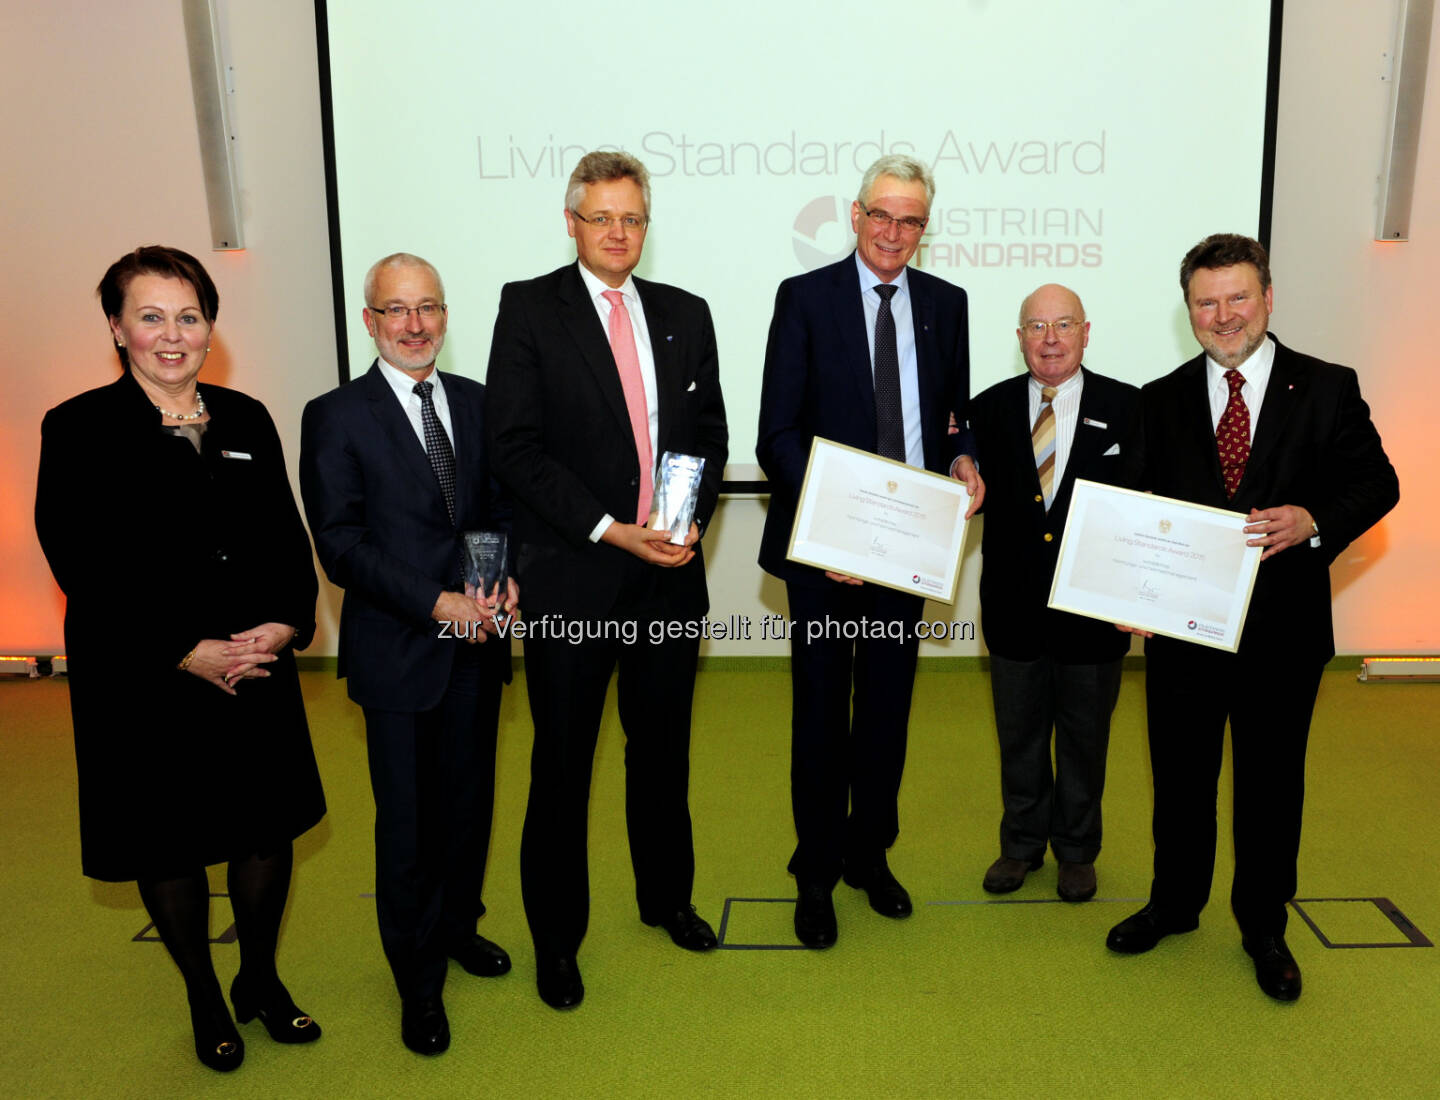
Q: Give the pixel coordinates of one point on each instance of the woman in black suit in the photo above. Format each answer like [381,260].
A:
[167,518]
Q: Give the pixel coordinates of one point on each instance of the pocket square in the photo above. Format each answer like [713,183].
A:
[690,388]
[1114,450]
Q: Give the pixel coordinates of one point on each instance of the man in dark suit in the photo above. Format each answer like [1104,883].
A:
[1253,427]
[593,376]
[1049,670]
[872,354]
[393,468]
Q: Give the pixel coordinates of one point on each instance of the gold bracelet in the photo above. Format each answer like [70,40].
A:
[185,661]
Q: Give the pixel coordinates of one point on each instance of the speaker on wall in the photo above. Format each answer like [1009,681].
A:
[1402,136]
[209,83]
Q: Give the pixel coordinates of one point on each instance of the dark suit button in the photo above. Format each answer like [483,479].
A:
[1039,498]
[634,481]
[1049,537]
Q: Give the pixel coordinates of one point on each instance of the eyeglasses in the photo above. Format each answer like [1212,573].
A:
[630,222]
[428,312]
[885,221]
[1066,326]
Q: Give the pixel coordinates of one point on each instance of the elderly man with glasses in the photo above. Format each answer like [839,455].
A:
[870,353]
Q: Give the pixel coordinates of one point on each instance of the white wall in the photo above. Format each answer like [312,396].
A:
[102,155]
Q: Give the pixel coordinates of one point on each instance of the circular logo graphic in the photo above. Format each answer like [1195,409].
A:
[1191,624]
[810,225]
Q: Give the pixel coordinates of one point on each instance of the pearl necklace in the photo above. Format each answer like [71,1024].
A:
[196,415]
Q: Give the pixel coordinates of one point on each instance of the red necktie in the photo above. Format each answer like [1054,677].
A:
[1232,435]
[627,359]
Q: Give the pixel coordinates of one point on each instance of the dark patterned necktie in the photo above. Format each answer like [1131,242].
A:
[1232,435]
[1042,440]
[889,423]
[437,446]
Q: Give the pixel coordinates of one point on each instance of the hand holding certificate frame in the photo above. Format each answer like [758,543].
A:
[1156,564]
[880,520]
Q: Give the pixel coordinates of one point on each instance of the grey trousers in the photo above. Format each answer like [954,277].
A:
[1058,806]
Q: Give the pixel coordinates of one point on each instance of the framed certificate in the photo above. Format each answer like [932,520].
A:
[881,521]
[1162,565]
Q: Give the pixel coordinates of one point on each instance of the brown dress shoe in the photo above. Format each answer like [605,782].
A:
[1007,875]
[1077,881]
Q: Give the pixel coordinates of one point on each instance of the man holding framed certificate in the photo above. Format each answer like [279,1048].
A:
[1049,670]
[873,355]
[1253,427]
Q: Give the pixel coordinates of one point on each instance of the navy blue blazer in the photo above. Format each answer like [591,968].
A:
[383,534]
[818,381]
[1021,540]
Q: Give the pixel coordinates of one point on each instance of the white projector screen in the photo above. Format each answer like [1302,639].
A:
[1089,144]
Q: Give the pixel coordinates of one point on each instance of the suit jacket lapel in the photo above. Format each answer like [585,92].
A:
[467,439]
[927,361]
[579,319]
[849,322]
[1194,416]
[1285,388]
[398,431]
[662,347]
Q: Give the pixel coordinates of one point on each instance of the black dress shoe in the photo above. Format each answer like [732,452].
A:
[424,1026]
[480,957]
[815,916]
[217,1043]
[1139,933]
[558,979]
[1276,970]
[887,896]
[277,1011]
[688,929]
[1006,875]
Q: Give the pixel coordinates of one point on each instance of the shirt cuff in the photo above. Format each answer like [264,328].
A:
[600,528]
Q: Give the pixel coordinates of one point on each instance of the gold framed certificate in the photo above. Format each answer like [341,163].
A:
[1163,565]
[881,521]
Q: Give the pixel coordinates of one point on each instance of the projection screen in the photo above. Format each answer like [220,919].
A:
[1089,144]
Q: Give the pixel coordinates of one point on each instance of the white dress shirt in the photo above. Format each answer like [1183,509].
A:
[1256,372]
[404,387]
[904,316]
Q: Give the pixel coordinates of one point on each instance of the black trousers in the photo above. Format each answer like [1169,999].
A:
[567,683]
[433,777]
[1058,806]
[850,714]
[1190,692]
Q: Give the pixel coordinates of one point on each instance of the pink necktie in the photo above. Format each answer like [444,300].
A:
[622,346]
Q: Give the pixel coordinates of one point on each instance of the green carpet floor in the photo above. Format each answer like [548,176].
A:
[971,996]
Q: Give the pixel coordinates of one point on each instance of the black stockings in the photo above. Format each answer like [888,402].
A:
[180,908]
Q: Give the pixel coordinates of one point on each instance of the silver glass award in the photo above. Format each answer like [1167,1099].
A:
[677,488]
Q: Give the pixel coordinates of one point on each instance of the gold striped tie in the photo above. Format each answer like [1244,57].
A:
[1042,439]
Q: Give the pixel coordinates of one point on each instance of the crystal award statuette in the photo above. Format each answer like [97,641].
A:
[677,488]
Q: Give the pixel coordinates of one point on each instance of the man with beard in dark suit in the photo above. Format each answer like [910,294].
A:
[1249,426]
[393,468]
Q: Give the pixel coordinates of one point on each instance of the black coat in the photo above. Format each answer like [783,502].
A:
[156,548]
[1314,447]
[1021,540]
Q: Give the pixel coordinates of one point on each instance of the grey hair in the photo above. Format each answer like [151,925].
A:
[399,259]
[602,166]
[903,168]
